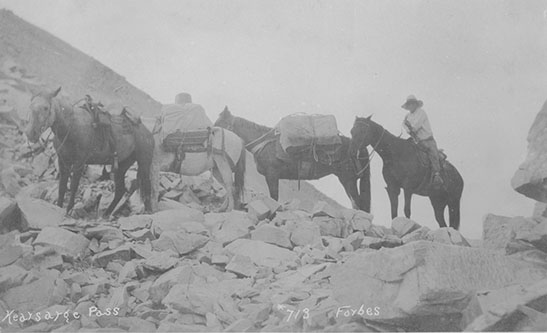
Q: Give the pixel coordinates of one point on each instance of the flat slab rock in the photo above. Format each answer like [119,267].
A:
[426,279]
[261,253]
[63,241]
[38,214]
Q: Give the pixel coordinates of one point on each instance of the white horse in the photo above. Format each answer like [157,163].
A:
[226,157]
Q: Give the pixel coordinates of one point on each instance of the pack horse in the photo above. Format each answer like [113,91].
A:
[188,144]
[278,157]
[79,142]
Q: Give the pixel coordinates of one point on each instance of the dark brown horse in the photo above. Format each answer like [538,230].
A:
[77,143]
[262,142]
[404,168]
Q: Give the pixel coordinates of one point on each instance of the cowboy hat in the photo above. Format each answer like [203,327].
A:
[412,99]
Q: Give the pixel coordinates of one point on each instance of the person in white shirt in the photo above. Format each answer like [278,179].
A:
[417,125]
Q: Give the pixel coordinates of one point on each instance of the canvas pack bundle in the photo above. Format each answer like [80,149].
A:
[300,132]
[186,124]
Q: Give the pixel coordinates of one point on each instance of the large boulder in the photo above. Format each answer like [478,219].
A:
[426,285]
[45,291]
[9,215]
[500,231]
[531,177]
[516,308]
[38,214]
[63,241]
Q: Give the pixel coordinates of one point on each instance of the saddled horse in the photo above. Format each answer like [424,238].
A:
[226,158]
[262,142]
[406,167]
[78,143]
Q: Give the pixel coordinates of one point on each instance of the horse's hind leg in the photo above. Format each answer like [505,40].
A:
[408,201]
[144,154]
[393,193]
[224,176]
[77,170]
[454,213]
[64,173]
[119,184]
[439,204]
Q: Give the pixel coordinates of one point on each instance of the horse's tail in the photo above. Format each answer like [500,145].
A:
[144,152]
[239,177]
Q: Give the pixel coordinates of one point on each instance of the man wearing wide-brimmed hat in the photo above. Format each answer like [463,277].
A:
[417,125]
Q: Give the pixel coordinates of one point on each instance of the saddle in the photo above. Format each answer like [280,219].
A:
[307,157]
[102,123]
[195,141]
[101,117]
[424,159]
[182,142]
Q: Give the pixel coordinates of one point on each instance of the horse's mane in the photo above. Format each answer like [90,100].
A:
[381,128]
[255,126]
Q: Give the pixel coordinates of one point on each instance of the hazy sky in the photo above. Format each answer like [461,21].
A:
[479,66]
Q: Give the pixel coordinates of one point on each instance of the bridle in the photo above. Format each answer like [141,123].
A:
[45,126]
[361,122]
[231,125]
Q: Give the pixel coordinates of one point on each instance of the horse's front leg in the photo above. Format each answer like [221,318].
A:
[77,170]
[119,185]
[393,193]
[408,200]
[364,192]
[64,173]
[350,186]
[272,180]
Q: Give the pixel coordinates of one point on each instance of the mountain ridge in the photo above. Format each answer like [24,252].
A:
[32,59]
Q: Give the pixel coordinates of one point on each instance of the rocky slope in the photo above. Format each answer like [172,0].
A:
[26,49]
[32,59]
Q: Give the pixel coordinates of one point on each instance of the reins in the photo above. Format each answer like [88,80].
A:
[371,155]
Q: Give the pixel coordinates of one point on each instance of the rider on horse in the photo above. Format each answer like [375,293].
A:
[417,125]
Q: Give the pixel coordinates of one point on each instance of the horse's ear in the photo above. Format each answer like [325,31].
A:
[226,110]
[368,118]
[56,92]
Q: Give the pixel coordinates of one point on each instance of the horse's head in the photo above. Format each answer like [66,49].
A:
[41,115]
[362,134]
[225,119]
